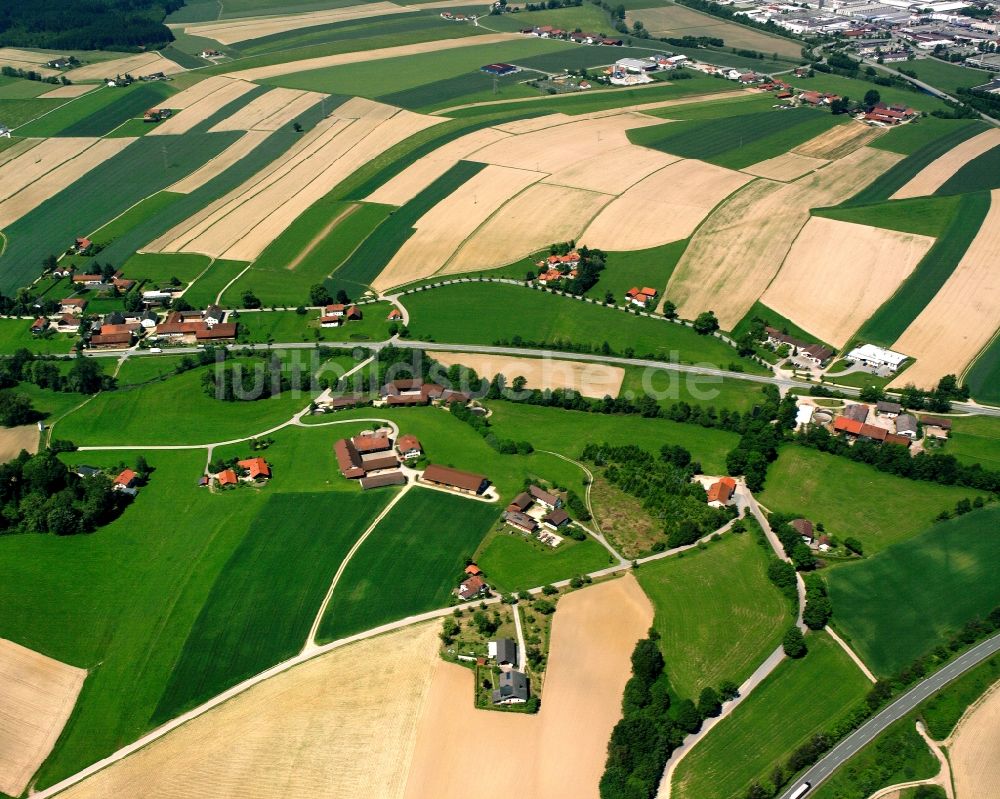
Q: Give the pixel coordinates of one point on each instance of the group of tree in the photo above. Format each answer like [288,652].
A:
[87,24]
[663,484]
[764,427]
[319,295]
[935,467]
[39,494]
[239,382]
[30,74]
[84,375]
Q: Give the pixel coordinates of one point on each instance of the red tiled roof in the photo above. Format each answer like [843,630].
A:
[256,466]
[348,459]
[74,302]
[371,443]
[227,330]
[472,569]
[445,475]
[722,490]
[126,478]
[228,478]
[408,442]
[844,425]
[111,338]
[87,278]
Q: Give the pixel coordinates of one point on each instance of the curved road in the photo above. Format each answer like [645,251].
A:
[837,756]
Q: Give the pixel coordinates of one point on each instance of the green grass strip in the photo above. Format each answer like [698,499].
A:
[888,322]
[980,174]
[128,105]
[927,216]
[984,376]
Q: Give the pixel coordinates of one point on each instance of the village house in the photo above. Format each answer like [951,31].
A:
[555,519]
[90,281]
[408,447]
[72,305]
[82,245]
[520,521]
[513,688]
[640,297]
[936,427]
[906,425]
[410,392]
[227,477]
[68,323]
[331,403]
[520,503]
[393,478]
[365,453]
[816,353]
[40,325]
[472,570]
[455,479]
[156,114]
[804,528]
[395,315]
[890,410]
[503,651]
[223,332]
[720,493]
[126,479]
[472,587]
[257,469]
[883,114]
[111,341]
[857,412]
[544,498]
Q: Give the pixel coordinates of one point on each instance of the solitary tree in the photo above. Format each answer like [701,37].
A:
[872,98]
[794,643]
[706,323]
[318,295]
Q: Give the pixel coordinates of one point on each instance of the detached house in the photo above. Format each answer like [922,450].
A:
[513,688]
[472,587]
[720,493]
[640,297]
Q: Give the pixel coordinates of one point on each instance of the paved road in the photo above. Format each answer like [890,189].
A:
[783,383]
[907,702]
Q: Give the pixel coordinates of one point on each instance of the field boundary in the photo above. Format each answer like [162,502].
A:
[318,238]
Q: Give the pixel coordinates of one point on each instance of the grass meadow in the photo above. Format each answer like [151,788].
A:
[559,431]
[945,76]
[855,89]
[705,391]
[512,562]
[512,313]
[903,602]
[739,140]
[909,138]
[980,174]
[285,566]
[16,334]
[927,216]
[264,326]
[773,318]
[975,439]
[718,615]
[22,110]
[895,315]
[652,267]
[160,267]
[206,288]
[411,562]
[121,601]
[854,499]
[100,111]
[797,700]
[147,208]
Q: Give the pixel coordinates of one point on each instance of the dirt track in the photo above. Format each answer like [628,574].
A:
[342,725]
[561,751]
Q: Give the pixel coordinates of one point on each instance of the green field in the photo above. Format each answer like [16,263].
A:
[854,499]
[370,256]
[21,111]
[390,75]
[718,615]
[903,602]
[410,563]
[505,313]
[909,138]
[559,431]
[799,699]
[943,710]
[19,89]
[315,251]
[206,288]
[927,216]
[121,601]
[668,387]
[980,174]
[739,140]
[159,267]
[52,404]
[941,140]
[106,191]
[623,270]
[945,76]
[586,17]
[137,370]
[16,334]
[267,326]
[286,567]
[855,89]
[983,377]
[975,439]
[100,111]
[176,411]
[147,208]
[512,562]
[895,315]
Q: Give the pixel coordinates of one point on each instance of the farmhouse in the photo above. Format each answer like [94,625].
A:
[362,454]
[82,245]
[156,114]
[816,353]
[936,427]
[720,493]
[635,66]
[340,403]
[876,357]
[445,476]
[394,478]
[890,410]
[513,688]
[111,341]
[257,469]
[544,498]
[906,425]
[40,325]
[73,305]
[223,332]
[858,412]
[472,587]
[395,315]
[640,297]
[520,503]
[88,280]
[68,323]
[555,519]
[372,442]
[127,479]
[408,447]
[348,459]
[804,528]
[890,114]
[520,521]
[472,569]
[227,477]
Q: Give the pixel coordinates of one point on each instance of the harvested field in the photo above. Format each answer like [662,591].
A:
[74,90]
[198,92]
[26,60]
[839,141]
[561,146]
[269,111]
[342,725]
[231,155]
[593,633]
[667,206]
[141,64]
[531,221]
[37,695]
[614,171]
[378,54]
[737,251]
[241,224]
[17,149]
[443,229]
[590,379]
[240,30]
[963,316]
[531,124]
[14,439]
[50,184]
[786,167]
[929,179]
[975,751]
[866,263]
[201,109]
[422,173]
[39,160]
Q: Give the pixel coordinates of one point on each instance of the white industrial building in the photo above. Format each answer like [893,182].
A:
[876,357]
